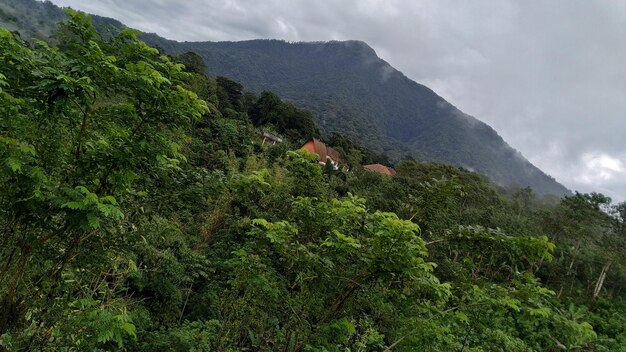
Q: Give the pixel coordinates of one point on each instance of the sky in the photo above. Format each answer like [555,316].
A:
[549,76]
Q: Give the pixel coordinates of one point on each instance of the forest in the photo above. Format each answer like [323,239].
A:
[141,210]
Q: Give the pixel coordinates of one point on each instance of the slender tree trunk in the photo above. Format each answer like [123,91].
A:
[571,264]
[83,130]
[560,292]
[600,282]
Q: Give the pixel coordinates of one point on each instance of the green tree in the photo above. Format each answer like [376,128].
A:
[78,127]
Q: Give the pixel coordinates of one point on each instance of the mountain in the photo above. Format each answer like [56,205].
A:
[351,90]
[32,19]
[35,19]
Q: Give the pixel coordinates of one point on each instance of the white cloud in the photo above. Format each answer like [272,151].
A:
[600,168]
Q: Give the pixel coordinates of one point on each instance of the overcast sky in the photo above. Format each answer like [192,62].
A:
[549,76]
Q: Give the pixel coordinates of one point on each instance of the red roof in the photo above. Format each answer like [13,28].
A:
[381,169]
[316,146]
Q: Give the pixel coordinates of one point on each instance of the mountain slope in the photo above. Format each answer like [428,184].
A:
[351,90]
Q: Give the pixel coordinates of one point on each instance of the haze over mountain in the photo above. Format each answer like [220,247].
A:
[351,90]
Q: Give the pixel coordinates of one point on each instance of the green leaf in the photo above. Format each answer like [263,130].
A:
[14,164]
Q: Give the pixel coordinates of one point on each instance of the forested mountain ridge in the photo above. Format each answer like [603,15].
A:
[39,20]
[350,90]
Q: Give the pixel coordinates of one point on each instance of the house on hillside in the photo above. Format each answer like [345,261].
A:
[381,169]
[270,137]
[325,153]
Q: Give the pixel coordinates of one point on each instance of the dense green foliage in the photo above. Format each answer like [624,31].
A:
[140,210]
[294,123]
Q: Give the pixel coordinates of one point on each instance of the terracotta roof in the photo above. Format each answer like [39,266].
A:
[315,146]
[318,147]
[333,154]
[381,169]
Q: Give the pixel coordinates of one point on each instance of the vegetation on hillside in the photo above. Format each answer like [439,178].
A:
[139,210]
[350,90]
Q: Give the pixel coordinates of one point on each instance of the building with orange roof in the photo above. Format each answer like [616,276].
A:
[381,169]
[325,152]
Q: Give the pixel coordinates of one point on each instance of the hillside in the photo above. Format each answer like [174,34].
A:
[350,90]
[142,209]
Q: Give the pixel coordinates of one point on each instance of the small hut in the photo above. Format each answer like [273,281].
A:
[270,137]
